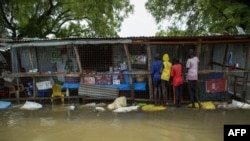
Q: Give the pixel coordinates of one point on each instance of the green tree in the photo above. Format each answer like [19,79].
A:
[172,31]
[63,18]
[201,16]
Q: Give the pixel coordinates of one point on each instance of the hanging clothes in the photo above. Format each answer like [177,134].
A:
[230,59]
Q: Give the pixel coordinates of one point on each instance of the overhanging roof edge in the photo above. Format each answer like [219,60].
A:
[62,43]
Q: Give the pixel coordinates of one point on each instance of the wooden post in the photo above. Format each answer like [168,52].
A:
[150,85]
[226,75]
[78,59]
[130,69]
[225,58]
[37,59]
[244,89]
[128,57]
[34,87]
[198,52]
[198,49]
[174,95]
[30,59]
[33,78]
[211,56]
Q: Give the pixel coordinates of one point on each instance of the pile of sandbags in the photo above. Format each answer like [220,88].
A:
[120,106]
[118,102]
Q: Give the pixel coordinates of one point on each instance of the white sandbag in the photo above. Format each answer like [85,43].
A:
[28,105]
[241,104]
[93,104]
[71,107]
[118,102]
[101,104]
[227,106]
[88,105]
[99,109]
[126,109]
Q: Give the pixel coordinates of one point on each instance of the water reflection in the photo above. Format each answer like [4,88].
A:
[60,123]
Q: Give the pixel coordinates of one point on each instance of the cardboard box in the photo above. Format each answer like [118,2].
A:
[89,80]
[44,85]
[107,79]
[98,79]
[116,81]
[103,79]
[114,77]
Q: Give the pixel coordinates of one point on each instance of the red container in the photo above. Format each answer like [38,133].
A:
[216,85]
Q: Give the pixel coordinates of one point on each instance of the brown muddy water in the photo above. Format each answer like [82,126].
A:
[57,123]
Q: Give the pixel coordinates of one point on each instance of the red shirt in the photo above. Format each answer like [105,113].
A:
[176,73]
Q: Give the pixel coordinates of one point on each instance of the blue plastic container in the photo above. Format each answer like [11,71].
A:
[30,89]
[216,75]
[4,104]
[44,93]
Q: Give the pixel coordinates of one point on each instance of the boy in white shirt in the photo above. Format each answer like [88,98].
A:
[192,77]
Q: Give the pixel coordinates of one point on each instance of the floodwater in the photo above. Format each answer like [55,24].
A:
[56,122]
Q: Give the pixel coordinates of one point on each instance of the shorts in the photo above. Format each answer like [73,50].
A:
[157,83]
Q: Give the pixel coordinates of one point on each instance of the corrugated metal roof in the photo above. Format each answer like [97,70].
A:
[32,42]
[60,42]
[193,39]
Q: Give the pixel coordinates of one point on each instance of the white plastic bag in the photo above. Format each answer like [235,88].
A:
[28,105]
